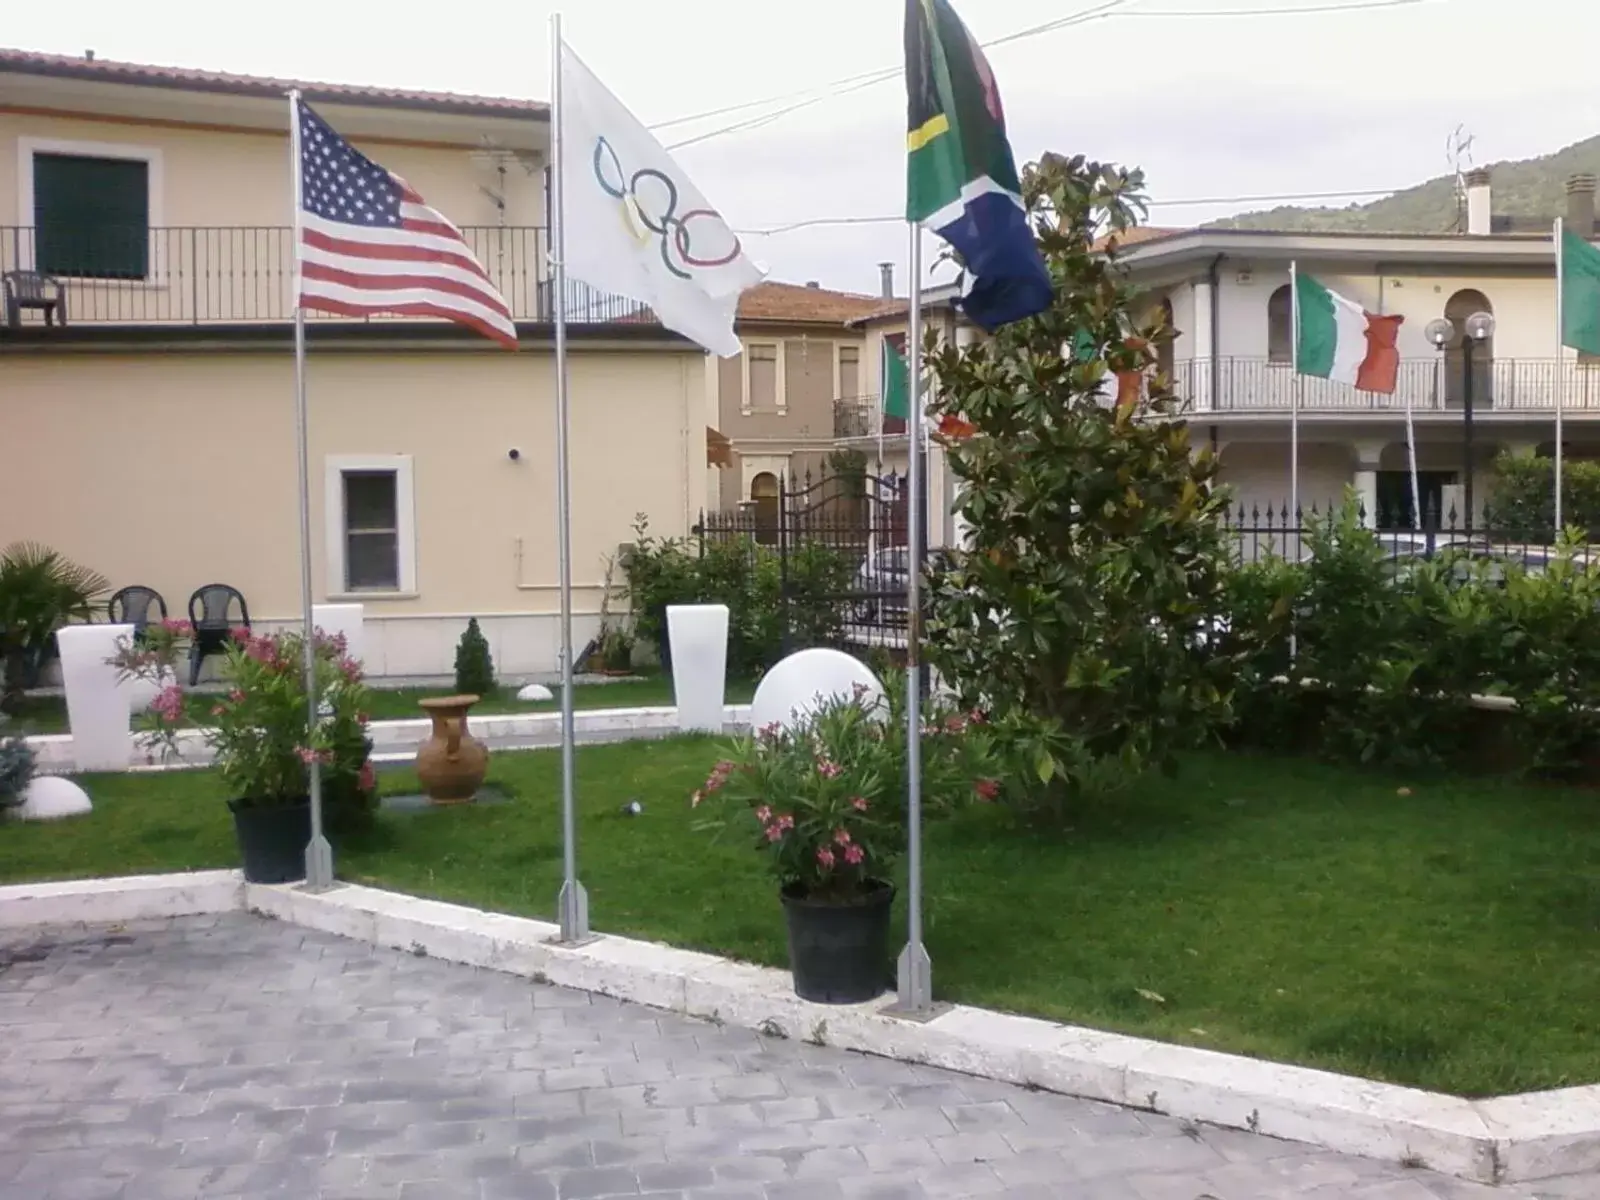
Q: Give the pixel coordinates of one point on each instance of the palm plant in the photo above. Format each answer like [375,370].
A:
[40,591]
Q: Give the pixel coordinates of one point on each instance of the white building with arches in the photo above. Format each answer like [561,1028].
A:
[1227,292]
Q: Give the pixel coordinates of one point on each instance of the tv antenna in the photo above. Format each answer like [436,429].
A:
[1458,153]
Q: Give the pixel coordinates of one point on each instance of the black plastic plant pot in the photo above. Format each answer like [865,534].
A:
[272,840]
[839,950]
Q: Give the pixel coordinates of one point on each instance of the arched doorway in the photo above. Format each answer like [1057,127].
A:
[1457,309]
[764,498]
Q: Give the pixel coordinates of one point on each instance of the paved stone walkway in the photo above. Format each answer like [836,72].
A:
[237,1057]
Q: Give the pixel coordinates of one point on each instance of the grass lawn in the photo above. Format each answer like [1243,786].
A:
[1282,908]
[48,714]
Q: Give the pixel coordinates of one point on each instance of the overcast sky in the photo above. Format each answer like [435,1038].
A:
[1213,98]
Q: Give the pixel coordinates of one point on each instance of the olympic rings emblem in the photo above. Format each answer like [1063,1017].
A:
[658,214]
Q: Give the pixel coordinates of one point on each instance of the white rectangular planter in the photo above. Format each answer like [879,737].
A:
[347,619]
[698,636]
[98,710]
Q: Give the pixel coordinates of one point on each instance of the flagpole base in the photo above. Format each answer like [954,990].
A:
[914,971]
[319,865]
[573,907]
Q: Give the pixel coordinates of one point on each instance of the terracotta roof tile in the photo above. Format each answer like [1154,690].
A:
[1139,233]
[28,62]
[779,302]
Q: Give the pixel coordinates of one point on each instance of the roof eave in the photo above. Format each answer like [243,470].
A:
[1199,246]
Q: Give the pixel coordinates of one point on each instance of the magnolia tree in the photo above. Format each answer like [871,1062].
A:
[1096,562]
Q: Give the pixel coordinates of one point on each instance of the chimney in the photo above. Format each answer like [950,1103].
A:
[88,56]
[814,285]
[886,280]
[1580,205]
[1478,218]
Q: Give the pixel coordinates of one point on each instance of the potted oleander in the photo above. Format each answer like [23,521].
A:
[824,803]
[258,732]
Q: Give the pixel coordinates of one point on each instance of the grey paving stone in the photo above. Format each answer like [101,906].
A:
[236,1057]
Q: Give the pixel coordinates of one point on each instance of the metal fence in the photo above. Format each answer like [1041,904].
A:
[242,274]
[838,541]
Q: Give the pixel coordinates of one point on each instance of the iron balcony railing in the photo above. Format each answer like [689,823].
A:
[1436,384]
[863,417]
[243,274]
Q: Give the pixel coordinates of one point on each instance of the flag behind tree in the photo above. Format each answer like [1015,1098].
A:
[635,224]
[1580,294]
[896,383]
[961,178]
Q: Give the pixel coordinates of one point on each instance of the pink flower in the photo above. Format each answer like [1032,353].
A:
[240,633]
[217,710]
[235,695]
[175,626]
[351,669]
[841,837]
[168,703]
[859,804]
[853,855]
[955,723]
[774,832]
[363,718]
[825,858]
[828,769]
[719,775]
[769,733]
[859,690]
[764,814]
[309,756]
[368,779]
[785,821]
[987,789]
[976,717]
[261,650]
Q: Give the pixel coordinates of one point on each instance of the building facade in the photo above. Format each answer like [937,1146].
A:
[1227,295]
[147,383]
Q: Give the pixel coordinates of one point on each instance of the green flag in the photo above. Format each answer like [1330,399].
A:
[896,383]
[1580,294]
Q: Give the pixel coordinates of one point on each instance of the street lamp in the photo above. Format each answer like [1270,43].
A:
[1479,328]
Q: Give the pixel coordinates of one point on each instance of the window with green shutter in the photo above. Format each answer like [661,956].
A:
[91,216]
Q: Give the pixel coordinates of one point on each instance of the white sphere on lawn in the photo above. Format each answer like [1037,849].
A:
[50,797]
[807,679]
[535,691]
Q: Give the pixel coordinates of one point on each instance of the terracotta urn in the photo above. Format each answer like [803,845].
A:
[451,763]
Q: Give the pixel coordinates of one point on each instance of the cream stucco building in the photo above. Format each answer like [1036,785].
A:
[146,367]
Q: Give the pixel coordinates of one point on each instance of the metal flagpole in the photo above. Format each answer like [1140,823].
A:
[1294,396]
[1561,360]
[915,968]
[1411,455]
[573,902]
[319,854]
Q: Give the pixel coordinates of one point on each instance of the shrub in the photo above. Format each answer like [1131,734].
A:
[749,579]
[40,591]
[474,663]
[16,770]
[1097,558]
[1521,503]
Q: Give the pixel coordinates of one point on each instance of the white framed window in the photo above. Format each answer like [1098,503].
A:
[371,525]
[92,206]
[763,378]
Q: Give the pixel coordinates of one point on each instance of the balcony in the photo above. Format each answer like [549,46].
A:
[238,275]
[862,417]
[1436,384]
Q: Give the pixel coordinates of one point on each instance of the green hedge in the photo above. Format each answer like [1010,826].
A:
[748,578]
[1522,498]
[1385,662]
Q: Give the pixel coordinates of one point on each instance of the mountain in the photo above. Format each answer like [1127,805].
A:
[1532,189]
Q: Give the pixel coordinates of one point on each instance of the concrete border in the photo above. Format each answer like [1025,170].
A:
[393,741]
[1509,1139]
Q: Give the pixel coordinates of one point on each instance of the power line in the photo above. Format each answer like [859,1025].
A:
[807,97]
[1197,202]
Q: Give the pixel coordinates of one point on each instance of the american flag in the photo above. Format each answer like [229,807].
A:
[369,244]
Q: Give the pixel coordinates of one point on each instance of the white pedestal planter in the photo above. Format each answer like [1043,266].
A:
[347,619]
[97,707]
[50,797]
[698,636]
[794,688]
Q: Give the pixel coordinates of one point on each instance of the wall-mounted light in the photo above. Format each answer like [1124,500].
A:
[513,454]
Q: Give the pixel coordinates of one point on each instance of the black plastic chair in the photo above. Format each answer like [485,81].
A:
[211,610]
[132,605]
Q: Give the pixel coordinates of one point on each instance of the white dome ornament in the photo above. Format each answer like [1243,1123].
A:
[51,797]
[800,684]
[535,692]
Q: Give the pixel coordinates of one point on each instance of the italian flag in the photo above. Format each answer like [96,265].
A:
[1337,339]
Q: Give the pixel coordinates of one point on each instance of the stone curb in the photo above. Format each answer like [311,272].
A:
[1509,1139]
[392,741]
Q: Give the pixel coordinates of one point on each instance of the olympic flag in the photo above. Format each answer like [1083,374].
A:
[634,224]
